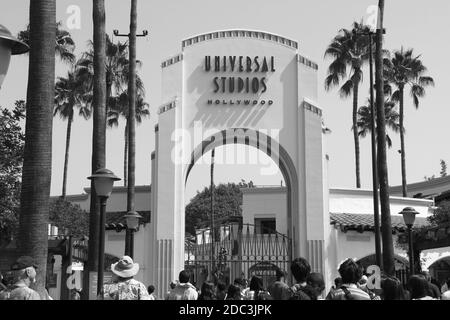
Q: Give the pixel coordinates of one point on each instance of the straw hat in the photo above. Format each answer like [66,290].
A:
[125,267]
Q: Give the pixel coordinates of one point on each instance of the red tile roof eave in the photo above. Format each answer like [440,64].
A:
[349,222]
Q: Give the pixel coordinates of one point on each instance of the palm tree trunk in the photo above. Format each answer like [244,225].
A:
[355,135]
[125,157]
[402,145]
[98,135]
[37,162]
[108,94]
[131,120]
[66,157]
[386,227]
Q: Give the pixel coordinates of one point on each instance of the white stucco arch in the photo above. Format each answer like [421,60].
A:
[279,116]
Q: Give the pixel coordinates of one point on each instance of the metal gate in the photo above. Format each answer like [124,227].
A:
[240,251]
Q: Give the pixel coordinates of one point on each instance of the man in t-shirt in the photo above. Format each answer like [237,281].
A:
[300,269]
[24,270]
[279,290]
[351,274]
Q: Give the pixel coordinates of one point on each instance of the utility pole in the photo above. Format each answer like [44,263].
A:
[131,121]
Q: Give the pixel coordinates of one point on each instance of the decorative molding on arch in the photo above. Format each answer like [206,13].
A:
[309,63]
[240,33]
[309,105]
[172,60]
[166,107]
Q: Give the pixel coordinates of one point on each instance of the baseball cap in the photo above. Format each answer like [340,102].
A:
[23,263]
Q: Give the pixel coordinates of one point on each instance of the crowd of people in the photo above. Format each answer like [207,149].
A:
[351,285]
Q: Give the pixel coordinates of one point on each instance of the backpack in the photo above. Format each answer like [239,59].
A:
[302,293]
[347,294]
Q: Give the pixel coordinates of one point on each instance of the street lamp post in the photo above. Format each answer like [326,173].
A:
[409,215]
[103,183]
[132,218]
[9,45]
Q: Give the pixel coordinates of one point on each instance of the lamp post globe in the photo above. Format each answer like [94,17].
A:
[9,45]
[103,182]
[132,219]
[409,215]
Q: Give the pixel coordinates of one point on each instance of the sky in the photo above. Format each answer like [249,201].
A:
[420,25]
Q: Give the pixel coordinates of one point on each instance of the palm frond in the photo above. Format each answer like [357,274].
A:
[347,89]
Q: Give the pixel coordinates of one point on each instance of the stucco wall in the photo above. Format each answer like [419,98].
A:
[269,203]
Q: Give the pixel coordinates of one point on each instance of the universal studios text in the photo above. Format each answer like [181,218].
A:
[255,83]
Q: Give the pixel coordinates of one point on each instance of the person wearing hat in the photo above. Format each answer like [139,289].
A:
[123,286]
[24,270]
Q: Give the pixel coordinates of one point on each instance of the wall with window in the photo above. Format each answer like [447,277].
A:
[261,206]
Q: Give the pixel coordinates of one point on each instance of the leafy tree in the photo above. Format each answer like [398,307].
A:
[227,202]
[443,172]
[440,219]
[11,158]
[66,215]
[349,50]
[402,70]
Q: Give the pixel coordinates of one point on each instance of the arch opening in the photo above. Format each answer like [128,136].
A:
[270,147]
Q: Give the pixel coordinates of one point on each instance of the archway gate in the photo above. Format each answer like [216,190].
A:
[240,251]
[247,87]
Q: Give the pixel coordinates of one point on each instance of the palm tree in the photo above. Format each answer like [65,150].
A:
[37,161]
[349,49]
[386,226]
[71,92]
[64,44]
[364,122]
[98,132]
[402,70]
[119,108]
[116,65]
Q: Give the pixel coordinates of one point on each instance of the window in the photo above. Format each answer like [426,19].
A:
[265,225]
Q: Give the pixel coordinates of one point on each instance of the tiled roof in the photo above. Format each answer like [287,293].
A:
[116,220]
[364,222]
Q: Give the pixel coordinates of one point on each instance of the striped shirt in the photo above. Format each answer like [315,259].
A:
[356,293]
